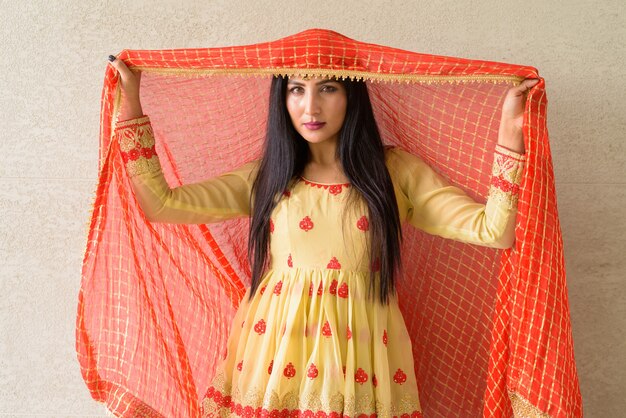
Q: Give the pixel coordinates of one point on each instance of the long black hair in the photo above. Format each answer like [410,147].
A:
[362,155]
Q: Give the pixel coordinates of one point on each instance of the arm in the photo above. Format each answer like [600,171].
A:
[439,208]
[223,197]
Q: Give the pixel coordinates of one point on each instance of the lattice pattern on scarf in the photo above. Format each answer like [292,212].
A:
[156,300]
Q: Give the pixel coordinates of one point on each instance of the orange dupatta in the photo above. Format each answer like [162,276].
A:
[491,328]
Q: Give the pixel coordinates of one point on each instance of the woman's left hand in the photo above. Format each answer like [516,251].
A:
[512,119]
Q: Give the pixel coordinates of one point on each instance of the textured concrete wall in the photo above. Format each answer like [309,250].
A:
[53,61]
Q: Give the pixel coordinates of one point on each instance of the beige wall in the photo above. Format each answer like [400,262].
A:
[53,61]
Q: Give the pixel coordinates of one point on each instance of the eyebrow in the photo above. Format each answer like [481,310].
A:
[325,81]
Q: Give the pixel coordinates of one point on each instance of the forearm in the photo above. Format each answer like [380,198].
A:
[131,108]
[440,208]
[512,117]
[510,136]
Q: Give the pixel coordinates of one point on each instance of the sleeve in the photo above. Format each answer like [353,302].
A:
[434,205]
[219,198]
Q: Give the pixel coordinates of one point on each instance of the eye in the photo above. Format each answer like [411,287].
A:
[329,88]
[295,90]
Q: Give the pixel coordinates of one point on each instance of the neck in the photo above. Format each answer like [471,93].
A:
[323,154]
[323,166]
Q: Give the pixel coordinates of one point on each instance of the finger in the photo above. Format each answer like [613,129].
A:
[121,67]
[527,84]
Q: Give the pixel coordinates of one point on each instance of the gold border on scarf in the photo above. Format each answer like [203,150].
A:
[522,408]
[317,72]
[343,74]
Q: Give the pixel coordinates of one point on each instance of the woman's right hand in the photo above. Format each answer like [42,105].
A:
[130,82]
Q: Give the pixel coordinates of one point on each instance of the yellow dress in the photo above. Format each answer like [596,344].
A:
[310,343]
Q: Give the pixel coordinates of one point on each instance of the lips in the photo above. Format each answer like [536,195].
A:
[314,125]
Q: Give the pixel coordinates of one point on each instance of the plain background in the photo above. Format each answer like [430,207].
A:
[53,61]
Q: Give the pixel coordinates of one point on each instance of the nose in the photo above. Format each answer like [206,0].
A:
[311,103]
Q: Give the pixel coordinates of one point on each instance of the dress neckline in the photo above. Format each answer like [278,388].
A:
[323,184]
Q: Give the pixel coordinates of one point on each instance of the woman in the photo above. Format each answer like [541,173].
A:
[327,200]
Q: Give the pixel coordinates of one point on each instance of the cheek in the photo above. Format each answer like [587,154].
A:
[340,111]
[292,107]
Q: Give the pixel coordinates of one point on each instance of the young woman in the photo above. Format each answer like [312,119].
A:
[320,331]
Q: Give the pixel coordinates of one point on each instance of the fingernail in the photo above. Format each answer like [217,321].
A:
[111,57]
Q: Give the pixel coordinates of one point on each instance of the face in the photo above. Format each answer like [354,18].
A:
[317,107]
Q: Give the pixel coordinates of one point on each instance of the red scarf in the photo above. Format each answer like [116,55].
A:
[491,328]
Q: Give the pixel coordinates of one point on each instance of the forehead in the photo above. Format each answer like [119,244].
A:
[312,80]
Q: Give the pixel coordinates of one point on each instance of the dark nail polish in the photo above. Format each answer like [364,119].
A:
[111,57]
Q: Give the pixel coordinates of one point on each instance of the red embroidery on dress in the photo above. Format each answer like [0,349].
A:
[312,372]
[240,365]
[227,401]
[335,189]
[289,371]
[287,193]
[363,223]
[210,392]
[278,287]
[217,397]
[271,226]
[333,287]
[326,332]
[146,152]
[348,332]
[139,151]
[320,289]
[343,290]
[306,224]
[133,154]
[505,185]
[360,376]
[506,162]
[248,411]
[399,377]
[374,380]
[506,156]
[334,264]
[311,289]
[289,261]
[271,367]
[385,337]
[263,289]
[259,327]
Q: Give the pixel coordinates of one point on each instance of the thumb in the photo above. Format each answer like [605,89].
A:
[527,84]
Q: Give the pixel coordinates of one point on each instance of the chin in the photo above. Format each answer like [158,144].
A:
[313,139]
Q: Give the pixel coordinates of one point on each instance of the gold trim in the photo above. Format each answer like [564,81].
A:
[143,166]
[117,104]
[504,150]
[355,75]
[313,400]
[323,72]
[134,121]
[522,408]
